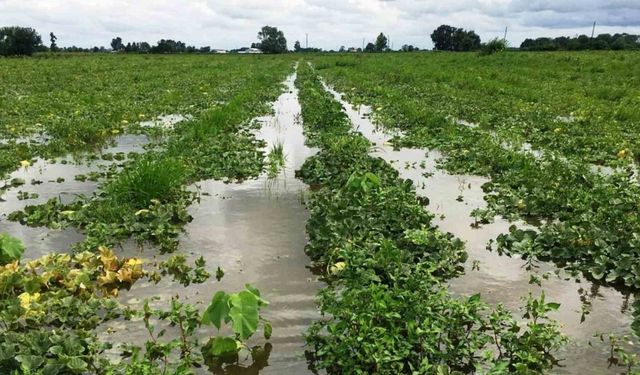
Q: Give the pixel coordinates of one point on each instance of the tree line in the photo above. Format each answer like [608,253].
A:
[15,40]
[583,42]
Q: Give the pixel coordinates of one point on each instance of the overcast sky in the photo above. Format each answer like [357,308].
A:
[329,23]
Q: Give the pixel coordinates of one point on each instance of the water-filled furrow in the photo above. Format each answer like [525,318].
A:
[586,309]
[255,232]
[60,178]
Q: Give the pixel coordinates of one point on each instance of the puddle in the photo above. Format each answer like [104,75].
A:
[56,179]
[463,122]
[254,231]
[165,122]
[501,279]
[36,139]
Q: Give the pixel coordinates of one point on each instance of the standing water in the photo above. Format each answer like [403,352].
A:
[63,178]
[586,308]
[255,232]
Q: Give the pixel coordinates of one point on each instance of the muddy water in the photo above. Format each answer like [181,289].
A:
[255,232]
[502,279]
[41,241]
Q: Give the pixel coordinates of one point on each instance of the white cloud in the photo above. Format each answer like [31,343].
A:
[329,23]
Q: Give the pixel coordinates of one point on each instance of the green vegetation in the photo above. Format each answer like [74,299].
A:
[276,160]
[601,42]
[147,200]
[574,110]
[386,306]
[52,307]
[539,125]
[15,40]
[79,103]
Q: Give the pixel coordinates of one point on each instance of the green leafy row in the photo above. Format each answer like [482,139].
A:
[589,219]
[386,306]
[67,104]
[148,199]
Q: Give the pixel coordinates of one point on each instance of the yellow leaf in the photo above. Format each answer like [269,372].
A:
[142,212]
[338,267]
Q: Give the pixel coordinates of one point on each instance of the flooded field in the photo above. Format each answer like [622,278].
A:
[586,310]
[255,232]
[315,215]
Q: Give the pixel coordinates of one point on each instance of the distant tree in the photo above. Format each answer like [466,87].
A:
[465,41]
[382,43]
[169,46]
[583,42]
[206,49]
[272,40]
[296,46]
[370,47]
[408,48]
[448,38]
[15,40]
[116,44]
[442,38]
[144,47]
[54,46]
[342,49]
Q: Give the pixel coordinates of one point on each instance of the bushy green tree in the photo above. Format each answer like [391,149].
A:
[601,42]
[116,44]
[16,40]
[465,40]
[370,47]
[442,38]
[382,43]
[272,40]
[449,38]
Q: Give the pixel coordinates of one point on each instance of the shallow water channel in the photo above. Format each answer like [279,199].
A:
[56,178]
[502,279]
[255,232]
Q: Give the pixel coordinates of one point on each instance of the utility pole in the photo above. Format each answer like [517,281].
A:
[593,31]
[307,42]
[505,33]
[363,44]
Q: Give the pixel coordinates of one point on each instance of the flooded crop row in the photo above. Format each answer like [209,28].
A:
[587,309]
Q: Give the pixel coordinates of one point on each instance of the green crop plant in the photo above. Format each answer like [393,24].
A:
[386,306]
[276,160]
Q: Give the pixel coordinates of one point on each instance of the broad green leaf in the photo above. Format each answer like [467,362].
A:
[11,249]
[244,313]
[217,311]
[553,306]
[76,364]
[254,290]
[29,363]
[222,346]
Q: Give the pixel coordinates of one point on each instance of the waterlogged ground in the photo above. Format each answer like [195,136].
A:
[255,232]
[64,178]
[586,308]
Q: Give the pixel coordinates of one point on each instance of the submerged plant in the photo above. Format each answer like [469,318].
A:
[276,160]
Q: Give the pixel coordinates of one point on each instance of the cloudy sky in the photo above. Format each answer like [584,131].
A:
[329,23]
